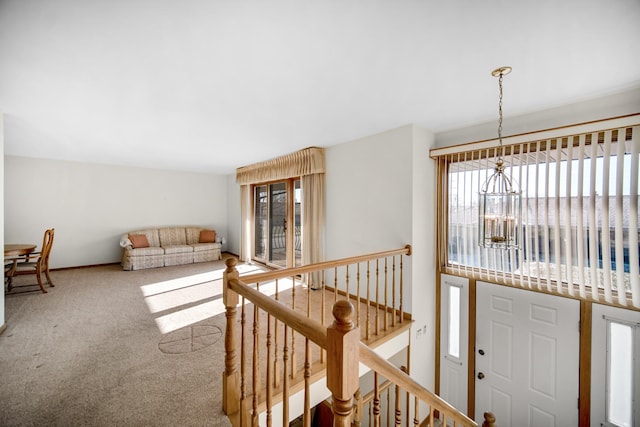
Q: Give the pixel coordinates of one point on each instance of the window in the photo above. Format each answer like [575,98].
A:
[579,232]
[615,367]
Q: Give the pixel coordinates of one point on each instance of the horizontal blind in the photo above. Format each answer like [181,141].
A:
[579,215]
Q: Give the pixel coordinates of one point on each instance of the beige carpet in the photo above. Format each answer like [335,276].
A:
[117,348]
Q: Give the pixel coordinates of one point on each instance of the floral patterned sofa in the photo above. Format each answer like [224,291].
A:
[165,246]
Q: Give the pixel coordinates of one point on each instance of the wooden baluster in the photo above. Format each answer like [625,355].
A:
[269,373]
[401,290]
[335,284]
[357,416]
[358,296]
[231,379]
[416,411]
[393,292]
[306,419]
[293,357]
[276,361]
[407,394]
[489,420]
[376,401]
[377,297]
[256,366]
[386,296]
[307,370]
[322,314]
[368,324]
[388,391]
[343,339]
[285,380]
[243,387]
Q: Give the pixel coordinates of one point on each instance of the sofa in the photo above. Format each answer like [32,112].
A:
[166,246]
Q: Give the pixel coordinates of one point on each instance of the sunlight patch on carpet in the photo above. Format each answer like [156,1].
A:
[193,298]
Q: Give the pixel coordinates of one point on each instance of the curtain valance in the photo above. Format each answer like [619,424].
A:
[304,162]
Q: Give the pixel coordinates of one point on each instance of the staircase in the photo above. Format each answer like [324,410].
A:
[299,337]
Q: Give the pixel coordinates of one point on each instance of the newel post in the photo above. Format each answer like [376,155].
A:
[489,420]
[343,339]
[231,375]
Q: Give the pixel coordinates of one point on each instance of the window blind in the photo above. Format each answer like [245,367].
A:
[579,211]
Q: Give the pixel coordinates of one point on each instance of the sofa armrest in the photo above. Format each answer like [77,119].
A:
[126,243]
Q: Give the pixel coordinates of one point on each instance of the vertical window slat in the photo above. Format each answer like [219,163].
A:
[556,223]
[593,231]
[605,239]
[547,261]
[634,258]
[619,227]
[580,233]
[568,223]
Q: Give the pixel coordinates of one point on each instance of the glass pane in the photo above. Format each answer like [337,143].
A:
[278,224]
[454,321]
[260,215]
[297,224]
[620,374]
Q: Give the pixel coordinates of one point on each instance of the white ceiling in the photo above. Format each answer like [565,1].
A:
[209,85]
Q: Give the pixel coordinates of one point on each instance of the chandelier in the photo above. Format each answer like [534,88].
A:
[500,214]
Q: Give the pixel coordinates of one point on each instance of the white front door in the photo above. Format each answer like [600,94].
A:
[527,354]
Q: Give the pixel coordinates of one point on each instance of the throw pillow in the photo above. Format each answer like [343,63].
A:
[139,240]
[207,236]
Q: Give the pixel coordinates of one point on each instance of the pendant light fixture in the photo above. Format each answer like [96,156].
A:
[500,217]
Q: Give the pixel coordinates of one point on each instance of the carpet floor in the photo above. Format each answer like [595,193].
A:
[117,348]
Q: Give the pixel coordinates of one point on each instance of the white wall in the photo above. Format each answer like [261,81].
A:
[92,205]
[619,104]
[2,321]
[380,195]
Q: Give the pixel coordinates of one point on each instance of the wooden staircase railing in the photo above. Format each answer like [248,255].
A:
[262,374]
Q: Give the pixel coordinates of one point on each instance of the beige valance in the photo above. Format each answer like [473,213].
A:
[304,162]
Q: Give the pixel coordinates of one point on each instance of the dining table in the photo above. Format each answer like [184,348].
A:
[18,249]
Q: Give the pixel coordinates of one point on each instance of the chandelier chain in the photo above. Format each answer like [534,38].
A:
[500,117]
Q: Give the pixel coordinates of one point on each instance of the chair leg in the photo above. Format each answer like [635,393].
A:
[39,274]
[46,273]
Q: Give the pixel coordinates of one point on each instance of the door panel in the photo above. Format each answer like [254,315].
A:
[527,354]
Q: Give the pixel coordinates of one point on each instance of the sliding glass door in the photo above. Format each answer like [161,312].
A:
[277,223]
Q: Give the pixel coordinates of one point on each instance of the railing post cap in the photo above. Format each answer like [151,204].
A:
[489,417]
[231,262]
[343,312]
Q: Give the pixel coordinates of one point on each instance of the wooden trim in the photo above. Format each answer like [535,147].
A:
[507,279]
[438,325]
[3,328]
[471,368]
[584,402]
[557,132]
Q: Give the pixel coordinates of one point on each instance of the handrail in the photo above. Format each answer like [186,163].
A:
[341,341]
[371,359]
[310,268]
[309,328]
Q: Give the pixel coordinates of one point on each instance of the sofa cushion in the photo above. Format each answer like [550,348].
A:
[171,236]
[177,249]
[207,236]
[139,240]
[199,247]
[152,236]
[151,250]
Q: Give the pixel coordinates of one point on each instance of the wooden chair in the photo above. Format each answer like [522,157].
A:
[26,265]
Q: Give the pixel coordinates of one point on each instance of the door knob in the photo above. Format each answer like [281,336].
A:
[480,375]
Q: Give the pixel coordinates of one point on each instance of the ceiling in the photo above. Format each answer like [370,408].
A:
[208,86]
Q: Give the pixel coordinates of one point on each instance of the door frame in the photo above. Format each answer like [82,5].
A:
[289,227]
